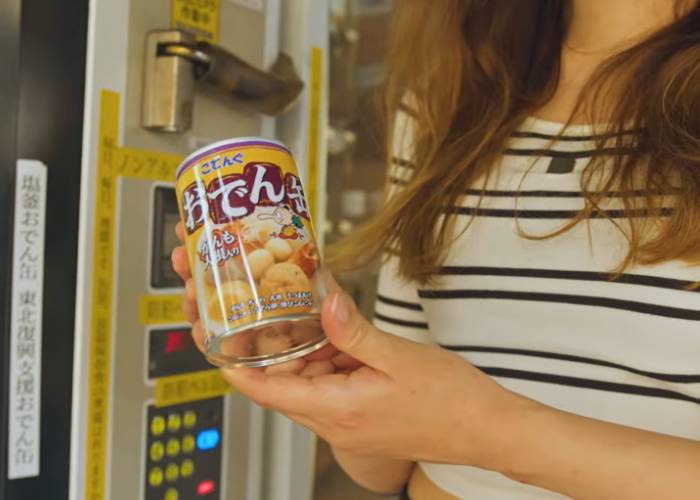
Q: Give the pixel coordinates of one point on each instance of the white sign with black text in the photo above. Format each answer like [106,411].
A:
[25,327]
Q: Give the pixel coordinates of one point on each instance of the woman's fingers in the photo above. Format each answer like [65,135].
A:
[324,353]
[180,231]
[181,264]
[317,368]
[343,361]
[198,335]
[283,393]
[330,283]
[293,367]
[189,303]
[190,291]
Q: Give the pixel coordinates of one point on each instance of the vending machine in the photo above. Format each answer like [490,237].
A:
[132,411]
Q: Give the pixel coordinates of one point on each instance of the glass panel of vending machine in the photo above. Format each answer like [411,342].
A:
[356,168]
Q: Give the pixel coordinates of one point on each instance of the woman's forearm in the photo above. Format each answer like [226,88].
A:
[380,475]
[589,459]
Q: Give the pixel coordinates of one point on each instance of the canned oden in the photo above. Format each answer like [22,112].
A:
[252,251]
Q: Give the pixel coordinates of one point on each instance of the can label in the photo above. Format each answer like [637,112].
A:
[249,235]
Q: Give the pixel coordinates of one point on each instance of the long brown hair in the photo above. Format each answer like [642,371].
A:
[475,69]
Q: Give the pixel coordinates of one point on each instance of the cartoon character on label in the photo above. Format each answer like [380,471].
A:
[292,227]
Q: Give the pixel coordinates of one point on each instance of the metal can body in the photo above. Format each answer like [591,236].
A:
[252,251]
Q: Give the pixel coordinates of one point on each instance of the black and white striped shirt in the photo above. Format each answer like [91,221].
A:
[543,317]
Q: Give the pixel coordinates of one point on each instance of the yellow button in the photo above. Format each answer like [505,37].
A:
[157,451]
[174,422]
[172,472]
[190,419]
[157,426]
[173,447]
[187,468]
[155,477]
[171,494]
[188,443]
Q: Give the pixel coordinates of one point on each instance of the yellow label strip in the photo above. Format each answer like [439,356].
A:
[314,133]
[190,387]
[99,357]
[146,165]
[112,162]
[199,17]
[160,309]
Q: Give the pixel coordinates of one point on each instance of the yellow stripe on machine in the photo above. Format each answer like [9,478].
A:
[112,162]
[314,132]
[190,387]
[99,356]
[200,17]
[160,309]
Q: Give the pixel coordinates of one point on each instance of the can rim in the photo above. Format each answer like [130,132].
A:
[221,145]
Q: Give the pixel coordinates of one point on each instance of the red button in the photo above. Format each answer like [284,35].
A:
[205,487]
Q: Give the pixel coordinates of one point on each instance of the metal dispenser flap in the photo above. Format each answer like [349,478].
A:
[244,86]
[174,62]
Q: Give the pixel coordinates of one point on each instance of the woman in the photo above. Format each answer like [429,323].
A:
[552,260]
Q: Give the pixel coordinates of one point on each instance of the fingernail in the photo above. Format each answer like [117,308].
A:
[339,307]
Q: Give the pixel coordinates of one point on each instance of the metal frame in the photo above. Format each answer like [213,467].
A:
[107,36]
[9,97]
[42,46]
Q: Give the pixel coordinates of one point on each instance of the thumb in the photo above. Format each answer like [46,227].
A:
[351,333]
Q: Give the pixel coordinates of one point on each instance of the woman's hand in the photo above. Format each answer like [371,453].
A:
[370,392]
[408,401]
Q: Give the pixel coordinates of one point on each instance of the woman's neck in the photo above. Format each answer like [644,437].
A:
[608,26]
[599,29]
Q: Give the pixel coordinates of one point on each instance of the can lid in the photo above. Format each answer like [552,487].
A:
[225,144]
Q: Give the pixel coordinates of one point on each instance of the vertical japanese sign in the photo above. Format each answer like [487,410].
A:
[25,327]
[199,17]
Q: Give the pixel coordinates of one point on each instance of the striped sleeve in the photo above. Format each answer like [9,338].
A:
[401,167]
[398,309]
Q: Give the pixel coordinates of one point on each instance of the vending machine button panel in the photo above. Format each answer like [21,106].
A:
[206,487]
[174,422]
[156,452]
[173,447]
[198,436]
[189,419]
[157,425]
[187,468]
[172,472]
[188,443]
[155,477]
